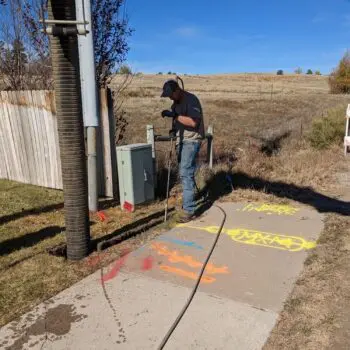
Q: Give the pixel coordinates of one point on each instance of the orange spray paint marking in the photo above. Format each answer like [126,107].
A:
[101,215]
[174,257]
[188,274]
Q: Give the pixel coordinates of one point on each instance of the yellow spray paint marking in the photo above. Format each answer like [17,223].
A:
[271,209]
[264,239]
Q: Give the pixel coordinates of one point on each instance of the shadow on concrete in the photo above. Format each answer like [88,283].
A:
[222,183]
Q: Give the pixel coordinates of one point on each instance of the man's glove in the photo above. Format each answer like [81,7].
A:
[172,133]
[169,114]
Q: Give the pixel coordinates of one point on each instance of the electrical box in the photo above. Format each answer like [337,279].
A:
[135,175]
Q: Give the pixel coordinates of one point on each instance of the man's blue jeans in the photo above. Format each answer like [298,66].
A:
[187,154]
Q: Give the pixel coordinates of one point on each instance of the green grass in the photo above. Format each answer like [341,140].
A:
[32,221]
[328,130]
[16,197]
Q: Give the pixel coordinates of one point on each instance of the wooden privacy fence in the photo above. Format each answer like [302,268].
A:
[29,150]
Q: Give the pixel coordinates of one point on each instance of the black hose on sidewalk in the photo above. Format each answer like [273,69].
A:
[194,290]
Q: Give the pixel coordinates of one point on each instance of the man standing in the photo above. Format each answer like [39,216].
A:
[187,115]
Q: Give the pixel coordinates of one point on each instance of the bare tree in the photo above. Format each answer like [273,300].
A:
[34,69]
[40,68]
[24,62]
[119,95]
[13,56]
[111,31]
[32,11]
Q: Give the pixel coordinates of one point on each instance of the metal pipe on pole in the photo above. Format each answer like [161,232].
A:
[89,96]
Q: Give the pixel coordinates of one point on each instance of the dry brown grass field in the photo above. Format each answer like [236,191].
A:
[261,136]
[261,127]
[253,115]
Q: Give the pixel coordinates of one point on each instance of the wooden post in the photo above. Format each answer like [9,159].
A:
[347,132]
[150,141]
[210,146]
[109,172]
[271,91]
[112,133]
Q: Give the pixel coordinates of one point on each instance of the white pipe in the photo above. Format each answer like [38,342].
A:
[89,96]
[87,65]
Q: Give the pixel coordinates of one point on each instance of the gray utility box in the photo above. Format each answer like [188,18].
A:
[135,175]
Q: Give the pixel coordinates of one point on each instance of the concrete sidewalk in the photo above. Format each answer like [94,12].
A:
[132,303]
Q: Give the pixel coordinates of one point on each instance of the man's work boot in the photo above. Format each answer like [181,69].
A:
[185,217]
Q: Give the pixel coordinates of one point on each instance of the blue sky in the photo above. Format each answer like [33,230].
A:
[223,36]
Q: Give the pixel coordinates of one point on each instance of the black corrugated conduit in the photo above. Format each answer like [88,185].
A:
[65,63]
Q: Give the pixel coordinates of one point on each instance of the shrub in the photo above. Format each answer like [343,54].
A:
[160,73]
[298,71]
[328,130]
[309,71]
[339,80]
[318,72]
[280,72]
[140,92]
[124,69]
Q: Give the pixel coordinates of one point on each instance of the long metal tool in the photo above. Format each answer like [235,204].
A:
[168,181]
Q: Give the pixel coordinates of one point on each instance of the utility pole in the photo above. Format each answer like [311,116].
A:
[62,28]
[89,96]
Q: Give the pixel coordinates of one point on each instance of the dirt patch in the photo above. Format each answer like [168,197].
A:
[316,315]
[60,319]
[57,322]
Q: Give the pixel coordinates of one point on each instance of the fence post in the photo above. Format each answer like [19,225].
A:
[150,141]
[210,146]
[110,182]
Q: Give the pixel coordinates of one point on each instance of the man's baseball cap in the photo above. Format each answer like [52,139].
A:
[169,87]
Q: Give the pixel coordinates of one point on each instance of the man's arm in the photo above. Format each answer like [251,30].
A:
[193,115]
[184,120]
[187,121]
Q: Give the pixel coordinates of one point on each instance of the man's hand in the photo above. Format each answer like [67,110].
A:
[169,114]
